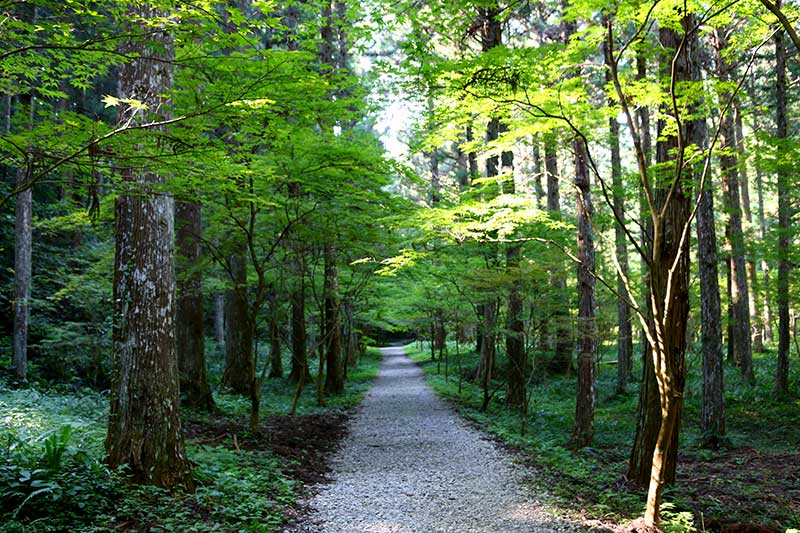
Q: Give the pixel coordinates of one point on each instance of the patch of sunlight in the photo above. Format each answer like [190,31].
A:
[383,527]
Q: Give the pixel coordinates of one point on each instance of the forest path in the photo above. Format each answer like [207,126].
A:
[410,464]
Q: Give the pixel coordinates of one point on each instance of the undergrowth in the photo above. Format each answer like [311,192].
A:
[53,476]
[590,481]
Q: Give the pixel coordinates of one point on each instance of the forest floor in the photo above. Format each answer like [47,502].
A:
[410,464]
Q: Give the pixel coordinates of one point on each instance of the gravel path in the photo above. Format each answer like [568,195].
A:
[410,464]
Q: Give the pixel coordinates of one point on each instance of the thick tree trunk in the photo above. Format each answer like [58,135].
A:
[583,429]
[240,370]
[189,323]
[144,429]
[784,214]
[740,328]
[334,378]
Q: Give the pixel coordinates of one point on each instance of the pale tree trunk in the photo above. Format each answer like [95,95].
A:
[643,119]
[23,245]
[740,330]
[784,214]
[189,323]
[144,429]
[583,429]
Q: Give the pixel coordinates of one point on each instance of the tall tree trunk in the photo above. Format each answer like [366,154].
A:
[713,409]
[757,328]
[189,323]
[669,279]
[766,315]
[240,370]
[23,246]
[784,214]
[729,162]
[334,379]
[144,428]
[645,222]
[561,362]
[624,327]
[583,430]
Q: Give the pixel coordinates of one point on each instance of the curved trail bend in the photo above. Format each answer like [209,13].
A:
[410,464]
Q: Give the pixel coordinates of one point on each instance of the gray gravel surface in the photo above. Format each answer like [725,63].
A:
[410,464]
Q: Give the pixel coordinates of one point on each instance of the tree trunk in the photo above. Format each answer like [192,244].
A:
[334,379]
[189,323]
[23,245]
[757,328]
[487,356]
[583,430]
[713,409]
[624,327]
[729,162]
[299,371]
[561,362]
[784,214]
[669,281]
[766,315]
[219,318]
[240,370]
[144,428]
[645,221]
[275,359]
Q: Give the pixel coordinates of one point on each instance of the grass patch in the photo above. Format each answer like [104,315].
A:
[753,482]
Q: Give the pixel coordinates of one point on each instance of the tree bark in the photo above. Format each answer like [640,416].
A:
[784,214]
[299,371]
[144,429]
[583,429]
[189,323]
